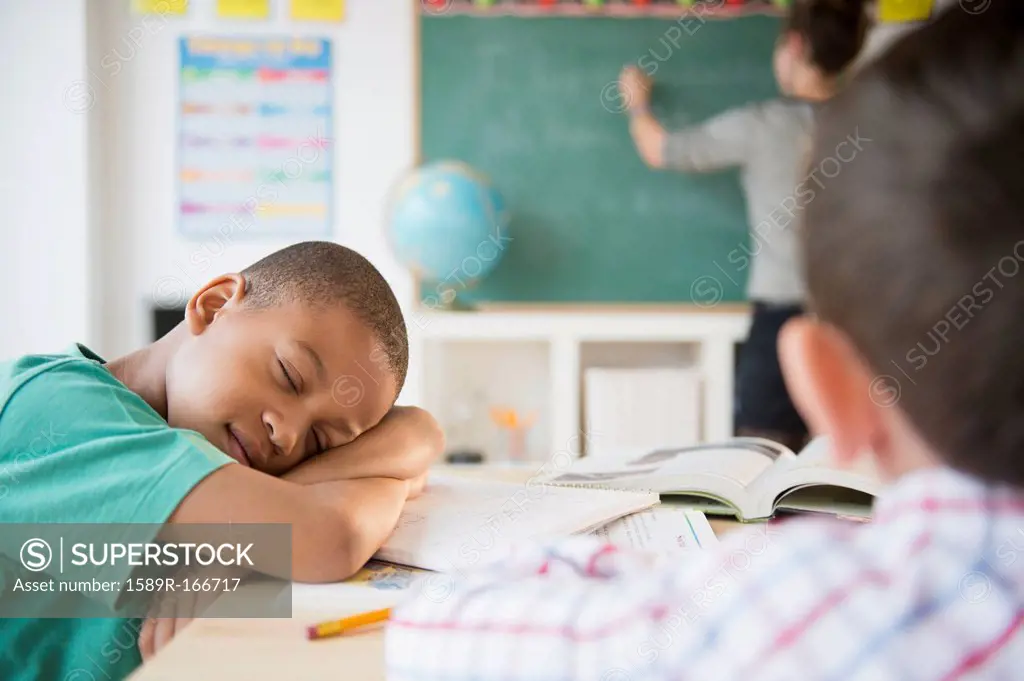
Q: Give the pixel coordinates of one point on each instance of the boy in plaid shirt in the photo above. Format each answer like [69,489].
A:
[912,357]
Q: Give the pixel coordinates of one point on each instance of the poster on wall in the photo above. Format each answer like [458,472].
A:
[318,10]
[243,9]
[255,138]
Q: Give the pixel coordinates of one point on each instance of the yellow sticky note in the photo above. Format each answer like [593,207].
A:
[162,7]
[243,9]
[896,11]
[318,10]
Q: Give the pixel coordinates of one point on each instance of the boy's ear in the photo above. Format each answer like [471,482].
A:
[793,45]
[830,386]
[794,42]
[225,291]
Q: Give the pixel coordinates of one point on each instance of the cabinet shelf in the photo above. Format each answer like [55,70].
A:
[535,361]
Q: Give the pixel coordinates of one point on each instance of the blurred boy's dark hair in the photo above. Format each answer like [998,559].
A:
[913,250]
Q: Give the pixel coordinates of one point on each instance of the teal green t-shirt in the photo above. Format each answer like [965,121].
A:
[77,446]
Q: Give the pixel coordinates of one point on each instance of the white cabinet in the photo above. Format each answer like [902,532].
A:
[535,362]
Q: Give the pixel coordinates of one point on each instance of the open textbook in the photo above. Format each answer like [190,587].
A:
[664,529]
[458,522]
[749,478]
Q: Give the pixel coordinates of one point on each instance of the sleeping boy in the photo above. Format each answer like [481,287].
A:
[273,401]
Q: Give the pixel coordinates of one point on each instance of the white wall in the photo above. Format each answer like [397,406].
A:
[45,273]
[134,77]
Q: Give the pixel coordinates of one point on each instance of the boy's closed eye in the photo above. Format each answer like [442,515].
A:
[403,446]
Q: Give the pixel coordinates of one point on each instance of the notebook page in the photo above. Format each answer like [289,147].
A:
[662,529]
[341,599]
[458,523]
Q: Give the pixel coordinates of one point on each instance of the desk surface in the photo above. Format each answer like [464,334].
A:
[277,649]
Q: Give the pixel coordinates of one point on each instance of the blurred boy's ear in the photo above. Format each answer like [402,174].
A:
[789,49]
[830,386]
[224,291]
[793,43]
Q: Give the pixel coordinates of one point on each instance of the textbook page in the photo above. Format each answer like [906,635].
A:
[815,481]
[737,462]
[662,529]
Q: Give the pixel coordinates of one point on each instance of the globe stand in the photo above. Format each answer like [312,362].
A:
[432,295]
[459,305]
[454,306]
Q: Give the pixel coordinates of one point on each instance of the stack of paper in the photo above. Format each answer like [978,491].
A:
[636,410]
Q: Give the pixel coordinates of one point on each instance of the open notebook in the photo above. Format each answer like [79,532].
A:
[749,478]
[457,523]
[665,529]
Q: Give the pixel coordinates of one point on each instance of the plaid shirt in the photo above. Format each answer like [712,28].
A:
[932,588]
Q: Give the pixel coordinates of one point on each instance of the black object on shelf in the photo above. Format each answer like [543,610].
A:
[464,457]
[165,319]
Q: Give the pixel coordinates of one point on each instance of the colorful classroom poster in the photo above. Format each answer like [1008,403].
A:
[243,9]
[162,7]
[318,10]
[897,11]
[255,137]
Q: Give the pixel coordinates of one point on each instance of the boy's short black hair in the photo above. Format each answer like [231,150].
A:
[324,273]
[915,247]
[835,31]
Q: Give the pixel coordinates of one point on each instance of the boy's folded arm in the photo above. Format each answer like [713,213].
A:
[402,446]
[335,526]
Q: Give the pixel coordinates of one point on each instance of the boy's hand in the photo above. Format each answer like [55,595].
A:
[167,617]
[158,632]
[175,610]
[635,88]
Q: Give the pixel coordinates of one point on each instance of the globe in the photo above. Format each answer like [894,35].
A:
[447,223]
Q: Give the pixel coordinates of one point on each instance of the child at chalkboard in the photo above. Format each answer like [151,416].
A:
[768,142]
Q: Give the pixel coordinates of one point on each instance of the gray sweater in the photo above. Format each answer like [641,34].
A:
[769,142]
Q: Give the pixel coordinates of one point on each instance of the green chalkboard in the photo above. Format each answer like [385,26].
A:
[527,101]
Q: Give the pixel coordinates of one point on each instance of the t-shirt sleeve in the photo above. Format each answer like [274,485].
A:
[723,141]
[76,446]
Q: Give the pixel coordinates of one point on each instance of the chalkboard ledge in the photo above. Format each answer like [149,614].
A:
[626,11]
[614,308]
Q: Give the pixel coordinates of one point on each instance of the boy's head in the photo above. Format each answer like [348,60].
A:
[302,351]
[819,40]
[913,251]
